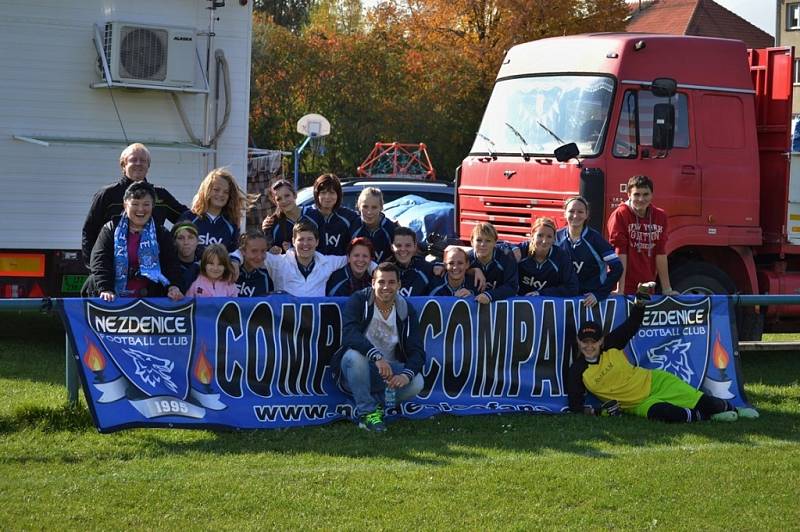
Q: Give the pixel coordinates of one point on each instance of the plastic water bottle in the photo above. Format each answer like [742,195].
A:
[389,397]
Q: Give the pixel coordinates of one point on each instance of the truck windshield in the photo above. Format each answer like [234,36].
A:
[536,115]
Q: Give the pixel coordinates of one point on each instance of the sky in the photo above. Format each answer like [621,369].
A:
[760,13]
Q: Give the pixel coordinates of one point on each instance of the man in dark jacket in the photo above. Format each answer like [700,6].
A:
[107,202]
[382,352]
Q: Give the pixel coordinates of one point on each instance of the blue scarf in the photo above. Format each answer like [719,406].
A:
[149,266]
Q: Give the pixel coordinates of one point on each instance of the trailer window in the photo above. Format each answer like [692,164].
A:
[635,126]
[538,114]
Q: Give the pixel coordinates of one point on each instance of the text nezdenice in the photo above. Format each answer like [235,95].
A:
[141,324]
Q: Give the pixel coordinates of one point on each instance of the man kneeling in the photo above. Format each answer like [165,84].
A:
[606,372]
[382,353]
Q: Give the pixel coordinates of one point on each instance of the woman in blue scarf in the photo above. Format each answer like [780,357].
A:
[133,255]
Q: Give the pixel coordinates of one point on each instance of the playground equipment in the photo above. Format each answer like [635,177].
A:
[393,159]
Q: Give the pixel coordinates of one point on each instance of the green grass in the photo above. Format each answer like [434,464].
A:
[487,472]
[781,337]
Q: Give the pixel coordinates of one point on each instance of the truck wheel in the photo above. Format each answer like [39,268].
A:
[705,279]
[700,278]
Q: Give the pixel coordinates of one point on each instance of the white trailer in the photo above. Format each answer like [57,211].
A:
[81,80]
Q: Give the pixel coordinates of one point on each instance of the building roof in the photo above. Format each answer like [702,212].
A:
[704,18]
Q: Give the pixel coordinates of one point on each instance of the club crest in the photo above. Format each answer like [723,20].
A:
[147,344]
[675,337]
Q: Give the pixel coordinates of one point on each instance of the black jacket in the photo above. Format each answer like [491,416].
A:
[102,263]
[107,203]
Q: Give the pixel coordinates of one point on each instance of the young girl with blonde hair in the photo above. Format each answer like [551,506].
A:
[217,209]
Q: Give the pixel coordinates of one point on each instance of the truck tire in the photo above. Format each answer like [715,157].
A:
[701,278]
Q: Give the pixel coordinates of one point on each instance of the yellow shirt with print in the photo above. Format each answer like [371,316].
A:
[613,377]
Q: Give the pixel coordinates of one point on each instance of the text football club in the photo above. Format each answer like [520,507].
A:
[264,362]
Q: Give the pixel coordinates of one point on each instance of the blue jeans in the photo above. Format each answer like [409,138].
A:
[360,378]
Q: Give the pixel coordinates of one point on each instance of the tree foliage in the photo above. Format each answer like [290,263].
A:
[291,14]
[407,70]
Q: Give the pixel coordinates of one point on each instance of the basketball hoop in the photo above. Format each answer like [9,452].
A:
[315,127]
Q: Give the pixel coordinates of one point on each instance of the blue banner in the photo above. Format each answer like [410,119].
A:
[263,362]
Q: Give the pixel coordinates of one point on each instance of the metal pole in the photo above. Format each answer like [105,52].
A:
[212,17]
[71,372]
[297,152]
[745,300]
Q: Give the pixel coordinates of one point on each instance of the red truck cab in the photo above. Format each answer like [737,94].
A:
[722,175]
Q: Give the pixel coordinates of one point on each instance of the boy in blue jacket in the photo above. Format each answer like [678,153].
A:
[381,348]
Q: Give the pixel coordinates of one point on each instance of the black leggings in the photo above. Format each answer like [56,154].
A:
[706,407]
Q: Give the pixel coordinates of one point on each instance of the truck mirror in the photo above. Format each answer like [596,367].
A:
[664,87]
[566,152]
[663,126]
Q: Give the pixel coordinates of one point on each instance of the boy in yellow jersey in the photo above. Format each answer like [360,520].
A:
[606,372]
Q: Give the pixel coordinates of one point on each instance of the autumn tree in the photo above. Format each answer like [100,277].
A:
[408,71]
[291,14]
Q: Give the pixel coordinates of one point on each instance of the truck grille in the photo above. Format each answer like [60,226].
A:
[512,217]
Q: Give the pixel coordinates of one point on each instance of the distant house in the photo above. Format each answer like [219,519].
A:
[788,34]
[703,18]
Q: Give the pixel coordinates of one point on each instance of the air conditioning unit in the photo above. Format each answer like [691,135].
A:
[151,55]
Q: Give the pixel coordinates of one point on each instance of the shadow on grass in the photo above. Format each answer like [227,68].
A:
[33,347]
[433,442]
[75,418]
[772,368]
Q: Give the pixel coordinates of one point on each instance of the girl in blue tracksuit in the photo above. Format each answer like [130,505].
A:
[456,281]
[354,275]
[335,224]
[374,224]
[254,279]
[546,269]
[596,264]
[278,226]
[216,210]
[498,266]
[417,275]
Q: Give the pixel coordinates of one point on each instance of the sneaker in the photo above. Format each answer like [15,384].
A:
[747,413]
[728,415]
[373,422]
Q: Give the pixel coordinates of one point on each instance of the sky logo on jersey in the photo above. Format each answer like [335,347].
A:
[332,240]
[532,282]
[207,240]
[246,291]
